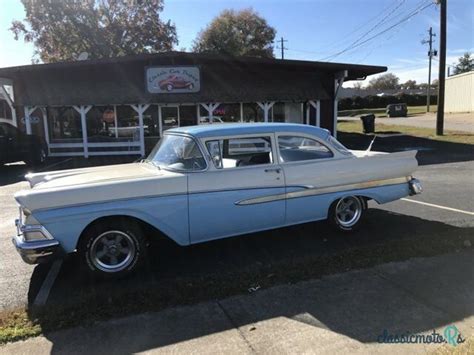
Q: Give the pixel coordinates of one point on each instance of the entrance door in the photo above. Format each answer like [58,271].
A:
[169,117]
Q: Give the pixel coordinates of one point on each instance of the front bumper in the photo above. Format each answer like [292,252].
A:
[36,252]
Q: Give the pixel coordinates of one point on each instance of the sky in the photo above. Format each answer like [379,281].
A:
[335,30]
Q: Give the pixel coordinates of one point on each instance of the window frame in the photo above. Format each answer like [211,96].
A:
[198,144]
[307,136]
[273,141]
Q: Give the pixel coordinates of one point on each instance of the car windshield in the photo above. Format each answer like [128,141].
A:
[177,152]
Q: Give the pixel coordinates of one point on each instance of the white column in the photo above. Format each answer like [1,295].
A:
[241,112]
[115,121]
[28,111]
[198,113]
[82,110]
[266,106]
[160,121]
[210,109]
[317,106]
[140,109]
[44,111]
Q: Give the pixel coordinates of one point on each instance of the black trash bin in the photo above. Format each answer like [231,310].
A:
[368,123]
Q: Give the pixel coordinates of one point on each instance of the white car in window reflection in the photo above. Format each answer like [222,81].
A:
[202,183]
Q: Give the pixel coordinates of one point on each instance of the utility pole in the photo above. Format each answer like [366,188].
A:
[431,53]
[282,46]
[442,67]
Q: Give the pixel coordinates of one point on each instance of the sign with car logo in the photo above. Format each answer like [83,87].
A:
[172,80]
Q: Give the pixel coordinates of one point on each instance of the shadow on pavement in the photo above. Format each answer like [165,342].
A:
[216,270]
[430,151]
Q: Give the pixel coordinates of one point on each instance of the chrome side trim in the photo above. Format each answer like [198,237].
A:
[312,191]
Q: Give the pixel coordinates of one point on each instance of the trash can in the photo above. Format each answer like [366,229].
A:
[368,123]
[397,110]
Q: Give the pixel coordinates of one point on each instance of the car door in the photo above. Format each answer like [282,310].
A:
[241,192]
[308,165]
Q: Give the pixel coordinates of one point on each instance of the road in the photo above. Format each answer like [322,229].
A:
[448,190]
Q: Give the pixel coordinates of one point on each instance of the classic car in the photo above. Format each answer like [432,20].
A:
[175,82]
[202,183]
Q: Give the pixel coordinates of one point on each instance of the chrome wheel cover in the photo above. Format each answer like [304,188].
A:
[348,211]
[112,251]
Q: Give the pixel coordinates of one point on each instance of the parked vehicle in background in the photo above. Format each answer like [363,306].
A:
[206,119]
[16,146]
[397,110]
[202,183]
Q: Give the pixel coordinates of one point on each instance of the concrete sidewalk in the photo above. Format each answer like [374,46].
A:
[461,122]
[344,313]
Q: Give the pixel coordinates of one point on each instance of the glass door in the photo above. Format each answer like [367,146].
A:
[169,117]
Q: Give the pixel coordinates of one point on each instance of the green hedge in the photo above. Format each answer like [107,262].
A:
[374,101]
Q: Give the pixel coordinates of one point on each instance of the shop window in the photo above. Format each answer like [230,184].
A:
[278,112]
[150,121]
[100,124]
[64,124]
[253,113]
[5,111]
[187,115]
[226,112]
[127,123]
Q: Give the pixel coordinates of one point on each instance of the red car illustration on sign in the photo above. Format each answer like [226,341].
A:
[175,82]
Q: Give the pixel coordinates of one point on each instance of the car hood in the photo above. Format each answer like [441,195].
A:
[99,184]
[62,178]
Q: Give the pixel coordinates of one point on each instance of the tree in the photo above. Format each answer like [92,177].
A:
[409,84]
[238,33]
[61,30]
[465,64]
[384,82]
[358,85]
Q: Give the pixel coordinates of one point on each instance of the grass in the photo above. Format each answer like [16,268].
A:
[381,112]
[465,348]
[449,136]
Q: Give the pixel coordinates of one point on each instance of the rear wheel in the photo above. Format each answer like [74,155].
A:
[113,248]
[346,214]
[38,157]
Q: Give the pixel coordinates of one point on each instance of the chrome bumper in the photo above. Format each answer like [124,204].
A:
[35,252]
[415,187]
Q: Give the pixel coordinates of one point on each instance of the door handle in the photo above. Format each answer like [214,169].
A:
[273,170]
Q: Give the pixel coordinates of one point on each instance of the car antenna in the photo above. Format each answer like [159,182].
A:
[370,145]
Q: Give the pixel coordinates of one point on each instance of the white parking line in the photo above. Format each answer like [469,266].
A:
[438,206]
[48,282]
[57,163]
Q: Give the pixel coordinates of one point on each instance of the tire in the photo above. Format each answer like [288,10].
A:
[347,213]
[38,157]
[114,248]
[191,86]
[169,87]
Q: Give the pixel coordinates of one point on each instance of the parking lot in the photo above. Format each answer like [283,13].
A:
[439,221]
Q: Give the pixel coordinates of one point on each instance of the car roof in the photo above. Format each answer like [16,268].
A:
[228,129]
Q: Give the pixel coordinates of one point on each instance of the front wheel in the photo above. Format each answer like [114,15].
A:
[346,214]
[113,249]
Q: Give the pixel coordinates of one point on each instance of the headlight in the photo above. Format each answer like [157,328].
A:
[34,233]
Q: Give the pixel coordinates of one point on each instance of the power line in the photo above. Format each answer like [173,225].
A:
[360,43]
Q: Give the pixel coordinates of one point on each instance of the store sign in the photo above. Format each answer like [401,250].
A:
[172,80]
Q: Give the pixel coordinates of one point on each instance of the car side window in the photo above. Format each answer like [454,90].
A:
[297,148]
[238,152]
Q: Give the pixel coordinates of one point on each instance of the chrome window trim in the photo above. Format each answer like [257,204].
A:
[273,141]
[335,153]
[197,142]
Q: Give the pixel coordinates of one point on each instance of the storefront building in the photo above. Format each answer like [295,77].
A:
[122,105]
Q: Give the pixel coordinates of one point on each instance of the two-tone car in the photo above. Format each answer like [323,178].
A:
[202,183]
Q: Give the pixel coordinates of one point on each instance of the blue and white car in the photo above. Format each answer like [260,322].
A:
[202,183]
